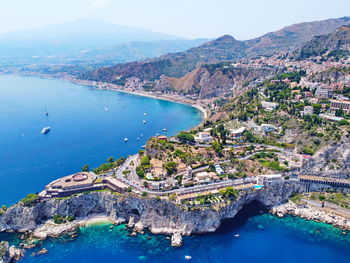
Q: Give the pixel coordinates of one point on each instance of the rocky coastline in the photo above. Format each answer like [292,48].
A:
[312,213]
[157,216]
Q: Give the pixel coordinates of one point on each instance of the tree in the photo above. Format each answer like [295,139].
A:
[185,137]
[145,160]
[217,146]
[110,160]
[170,167]
[317,108]
[339,112]
[86,168]
[322,198]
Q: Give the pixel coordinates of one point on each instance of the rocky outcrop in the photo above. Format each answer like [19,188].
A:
[213,80]
[159,216]
[9,253]
[332,161]
[176,240]
[311,213]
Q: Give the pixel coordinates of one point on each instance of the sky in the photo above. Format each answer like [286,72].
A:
[243,19]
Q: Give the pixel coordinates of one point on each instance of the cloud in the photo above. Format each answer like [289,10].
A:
[100,4]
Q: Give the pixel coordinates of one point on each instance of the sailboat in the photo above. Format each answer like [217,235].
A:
[46,113]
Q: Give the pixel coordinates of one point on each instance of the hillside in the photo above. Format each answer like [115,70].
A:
[225,48]
[336,44]
[212,80]
[291,37]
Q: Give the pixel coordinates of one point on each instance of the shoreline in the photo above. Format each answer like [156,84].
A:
[313,213]
[114,87]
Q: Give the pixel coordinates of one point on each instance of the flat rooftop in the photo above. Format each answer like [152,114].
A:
[73,181]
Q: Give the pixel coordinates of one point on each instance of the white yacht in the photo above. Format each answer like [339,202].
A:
[126,139]
[144,122]
[45,130]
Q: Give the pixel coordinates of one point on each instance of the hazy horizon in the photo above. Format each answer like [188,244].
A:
[195,19]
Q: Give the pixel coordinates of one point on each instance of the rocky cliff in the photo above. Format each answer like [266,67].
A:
[212,80]
[332,161]
[9,253]
[158,215]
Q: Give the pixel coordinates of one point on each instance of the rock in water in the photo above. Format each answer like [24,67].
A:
[176,240]
[131,222]
[138,227]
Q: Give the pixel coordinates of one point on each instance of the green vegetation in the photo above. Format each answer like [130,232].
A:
[145,164]
[340,199]
[228,192]
[170,167]
[86,168]
[59,219]
[30,199]
[110,164]
[185,137]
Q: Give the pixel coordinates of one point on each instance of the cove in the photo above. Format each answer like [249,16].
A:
[87,126]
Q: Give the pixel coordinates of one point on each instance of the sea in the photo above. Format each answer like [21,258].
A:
[88,126]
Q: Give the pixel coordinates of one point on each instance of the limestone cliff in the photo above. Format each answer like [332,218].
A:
[158,215]
[212,80]
[332,161]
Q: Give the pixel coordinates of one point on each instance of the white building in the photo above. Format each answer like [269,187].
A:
[267,128]
[218,169]
[268,178]
[270,106]
[308,110]
[203,137]
[237,132]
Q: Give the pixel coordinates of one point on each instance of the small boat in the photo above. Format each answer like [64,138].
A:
[237,235]
[157,134]
[144,122]
[188,257]
[141,134]
[125,139]
[144,113]
[165,129]
[106,109]
[138,138]
[45,130]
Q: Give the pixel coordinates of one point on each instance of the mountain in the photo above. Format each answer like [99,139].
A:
[174,64]
[225,48]
[73,36]
[291,37]
[335,44]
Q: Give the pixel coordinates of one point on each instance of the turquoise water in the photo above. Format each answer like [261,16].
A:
[263,238]
[87,126]
[84,132]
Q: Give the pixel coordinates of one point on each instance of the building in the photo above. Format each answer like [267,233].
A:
[268,178]
[267,128]
[162,138]
[218,169]
[340,104]
[308,110]
[323,93]
[269,106]
[203,137]
[330,117]
[237,133]
[204,177]
[71,184]
[188,174]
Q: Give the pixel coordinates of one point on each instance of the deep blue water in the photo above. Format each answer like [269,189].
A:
[84,132]
[263,238]
[87,127]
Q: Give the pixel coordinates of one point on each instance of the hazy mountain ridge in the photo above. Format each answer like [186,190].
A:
[333,44]
[225,48]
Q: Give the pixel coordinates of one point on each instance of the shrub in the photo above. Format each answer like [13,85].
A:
[30,199]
